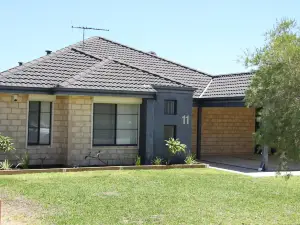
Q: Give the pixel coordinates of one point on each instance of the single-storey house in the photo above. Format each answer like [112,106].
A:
[107,99]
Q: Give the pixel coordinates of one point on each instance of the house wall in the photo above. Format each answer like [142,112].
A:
[80,119]
[227,130]
[13,123]
[183,130]
[71,138]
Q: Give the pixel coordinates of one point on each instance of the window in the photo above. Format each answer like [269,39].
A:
[169,131]
[39,123]
[170,107]
[115,124]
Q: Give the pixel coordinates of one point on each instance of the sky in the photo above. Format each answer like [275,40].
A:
[208,35]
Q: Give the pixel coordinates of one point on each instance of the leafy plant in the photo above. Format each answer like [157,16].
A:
[138,161]
[6,144]
[24,161]
[5,165]
[175,146]
[157,161]
[190,159]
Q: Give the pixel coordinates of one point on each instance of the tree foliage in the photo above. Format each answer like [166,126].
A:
[275,89]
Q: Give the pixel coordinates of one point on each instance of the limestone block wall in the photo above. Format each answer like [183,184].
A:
[71,137]
[227,130]
[13,123]
[80,120]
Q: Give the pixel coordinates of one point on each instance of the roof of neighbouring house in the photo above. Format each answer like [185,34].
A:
[106,65]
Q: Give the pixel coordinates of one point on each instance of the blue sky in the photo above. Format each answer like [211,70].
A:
[207,35]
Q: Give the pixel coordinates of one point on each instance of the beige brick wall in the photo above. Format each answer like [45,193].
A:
[80,138]
[13,123]
[71,133]
[227,130]
[194,130]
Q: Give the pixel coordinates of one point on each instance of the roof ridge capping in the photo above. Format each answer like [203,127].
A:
[83,73]
[132,66]
[155,56]
[234,74]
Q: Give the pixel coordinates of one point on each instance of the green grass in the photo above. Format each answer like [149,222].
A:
[177,196]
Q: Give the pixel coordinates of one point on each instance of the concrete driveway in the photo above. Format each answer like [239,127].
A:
[245,163]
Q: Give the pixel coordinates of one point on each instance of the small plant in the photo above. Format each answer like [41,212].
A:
[190,159]
[138,161]
[157,161]
[6,144]
[175,146]
[5,165]
[24,161]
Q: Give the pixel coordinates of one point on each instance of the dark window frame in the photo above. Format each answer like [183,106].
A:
[174,128]
[115,127]
[39,125]
[166,109]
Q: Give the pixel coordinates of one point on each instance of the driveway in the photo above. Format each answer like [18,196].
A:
[246,163]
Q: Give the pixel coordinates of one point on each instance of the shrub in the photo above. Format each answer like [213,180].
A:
[138,161]
[24,161]
[175,146]
[5,165]
[157,161]
[6,144]
[190,159]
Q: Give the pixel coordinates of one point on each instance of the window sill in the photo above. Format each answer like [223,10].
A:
[129,145]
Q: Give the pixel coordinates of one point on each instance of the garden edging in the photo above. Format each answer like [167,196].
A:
[81,169]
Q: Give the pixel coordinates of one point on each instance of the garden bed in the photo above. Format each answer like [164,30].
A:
[80,169]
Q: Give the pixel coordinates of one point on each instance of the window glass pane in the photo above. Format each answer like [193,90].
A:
[127,121]
[44,136]
[126,137]
[170,107]
[103,121]
[127,109]
[33,106]
[102,137]
[45,120]
[33,120]
[46,107]
[33,135]
[169,131]
[104,108]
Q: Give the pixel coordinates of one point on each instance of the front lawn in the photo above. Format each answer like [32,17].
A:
[177,196]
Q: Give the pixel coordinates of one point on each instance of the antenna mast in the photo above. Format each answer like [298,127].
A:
[87,28]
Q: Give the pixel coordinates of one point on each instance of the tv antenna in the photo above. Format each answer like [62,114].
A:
[87,28]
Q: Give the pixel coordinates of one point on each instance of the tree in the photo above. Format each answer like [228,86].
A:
[275,89]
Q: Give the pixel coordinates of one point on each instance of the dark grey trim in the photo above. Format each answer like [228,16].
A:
[220,98]
[28,90]
[199,123]
[74,91]
[97,92]
[233,102]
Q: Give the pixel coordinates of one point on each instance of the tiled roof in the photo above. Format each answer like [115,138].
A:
[111,74]
[106,65]
[47,71]
[228,85]
[105,48]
